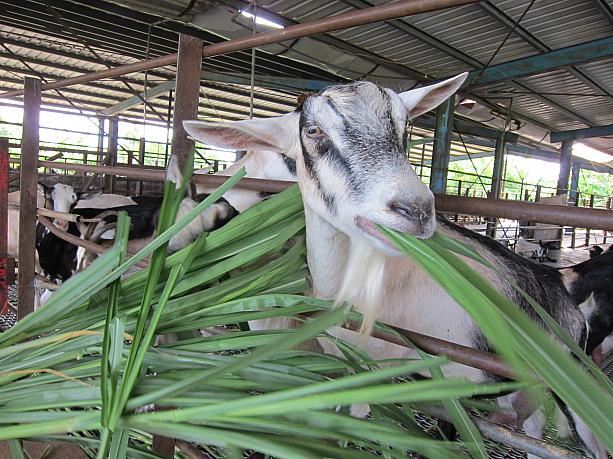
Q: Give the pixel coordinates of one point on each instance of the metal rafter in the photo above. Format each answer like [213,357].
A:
[605,9]
[91,18]
[209,78]
[98,58]
[528,37]
[547,101]
[266,14]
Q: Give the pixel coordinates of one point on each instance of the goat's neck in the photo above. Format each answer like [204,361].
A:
[344,269]
[327,254]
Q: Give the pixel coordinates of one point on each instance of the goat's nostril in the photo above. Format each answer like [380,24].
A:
[406,210]
[413,211]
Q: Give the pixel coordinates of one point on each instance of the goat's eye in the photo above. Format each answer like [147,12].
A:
[314,131]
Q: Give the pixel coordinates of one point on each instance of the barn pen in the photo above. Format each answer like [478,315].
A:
[231,390]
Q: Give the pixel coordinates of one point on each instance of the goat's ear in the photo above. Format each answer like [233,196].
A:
[46,190]
[271,134]
[421,100]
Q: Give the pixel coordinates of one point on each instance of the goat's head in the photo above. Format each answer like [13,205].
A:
[349,143]
[63,198]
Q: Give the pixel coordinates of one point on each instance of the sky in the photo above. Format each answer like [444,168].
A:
[90,125]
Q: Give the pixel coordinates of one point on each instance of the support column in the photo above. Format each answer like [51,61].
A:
[565,158]
[501,146]
[442,146]
[168,121]
[27,202]
[101,122]
[99,156]
[187,94]
[111,155]
[574,184]
[4,201]
[141,161]
[496,186]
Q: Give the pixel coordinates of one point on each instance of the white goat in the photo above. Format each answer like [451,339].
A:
[349,144]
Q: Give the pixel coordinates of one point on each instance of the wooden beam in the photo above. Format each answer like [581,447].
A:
[29,190]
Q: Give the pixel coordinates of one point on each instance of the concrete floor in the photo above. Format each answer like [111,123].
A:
[56,450]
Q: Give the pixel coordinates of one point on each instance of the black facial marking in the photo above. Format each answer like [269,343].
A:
[336,111]
[289,163]
[389,112]
[309,164]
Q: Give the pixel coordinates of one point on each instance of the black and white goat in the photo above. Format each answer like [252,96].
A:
[144,217]
[591,285]
[59,197]
[349,143]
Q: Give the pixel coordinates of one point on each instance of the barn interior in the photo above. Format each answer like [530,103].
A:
[93,95]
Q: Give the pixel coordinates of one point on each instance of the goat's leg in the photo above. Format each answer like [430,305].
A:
[591,445]
[523,411]
[533,427]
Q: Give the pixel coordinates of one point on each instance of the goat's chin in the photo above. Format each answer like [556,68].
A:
[380,243]
[375,238]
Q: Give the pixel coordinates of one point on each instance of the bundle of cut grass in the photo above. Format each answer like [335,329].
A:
[92,367]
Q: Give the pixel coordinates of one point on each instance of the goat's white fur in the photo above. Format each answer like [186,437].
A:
[345,263]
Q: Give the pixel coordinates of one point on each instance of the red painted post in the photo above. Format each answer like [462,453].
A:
[4,191]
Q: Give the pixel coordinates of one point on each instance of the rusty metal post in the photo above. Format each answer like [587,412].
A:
[141,160]
[4,201]
[29,191]
[187,95]
[111,155]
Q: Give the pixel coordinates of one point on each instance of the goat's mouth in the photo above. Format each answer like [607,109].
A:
[370,230]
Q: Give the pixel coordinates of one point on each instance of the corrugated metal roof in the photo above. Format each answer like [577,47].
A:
[472,36]
[437,44]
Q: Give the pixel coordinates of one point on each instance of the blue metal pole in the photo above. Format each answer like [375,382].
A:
[565,158]
[574,183]
[442,146]
[501,146]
